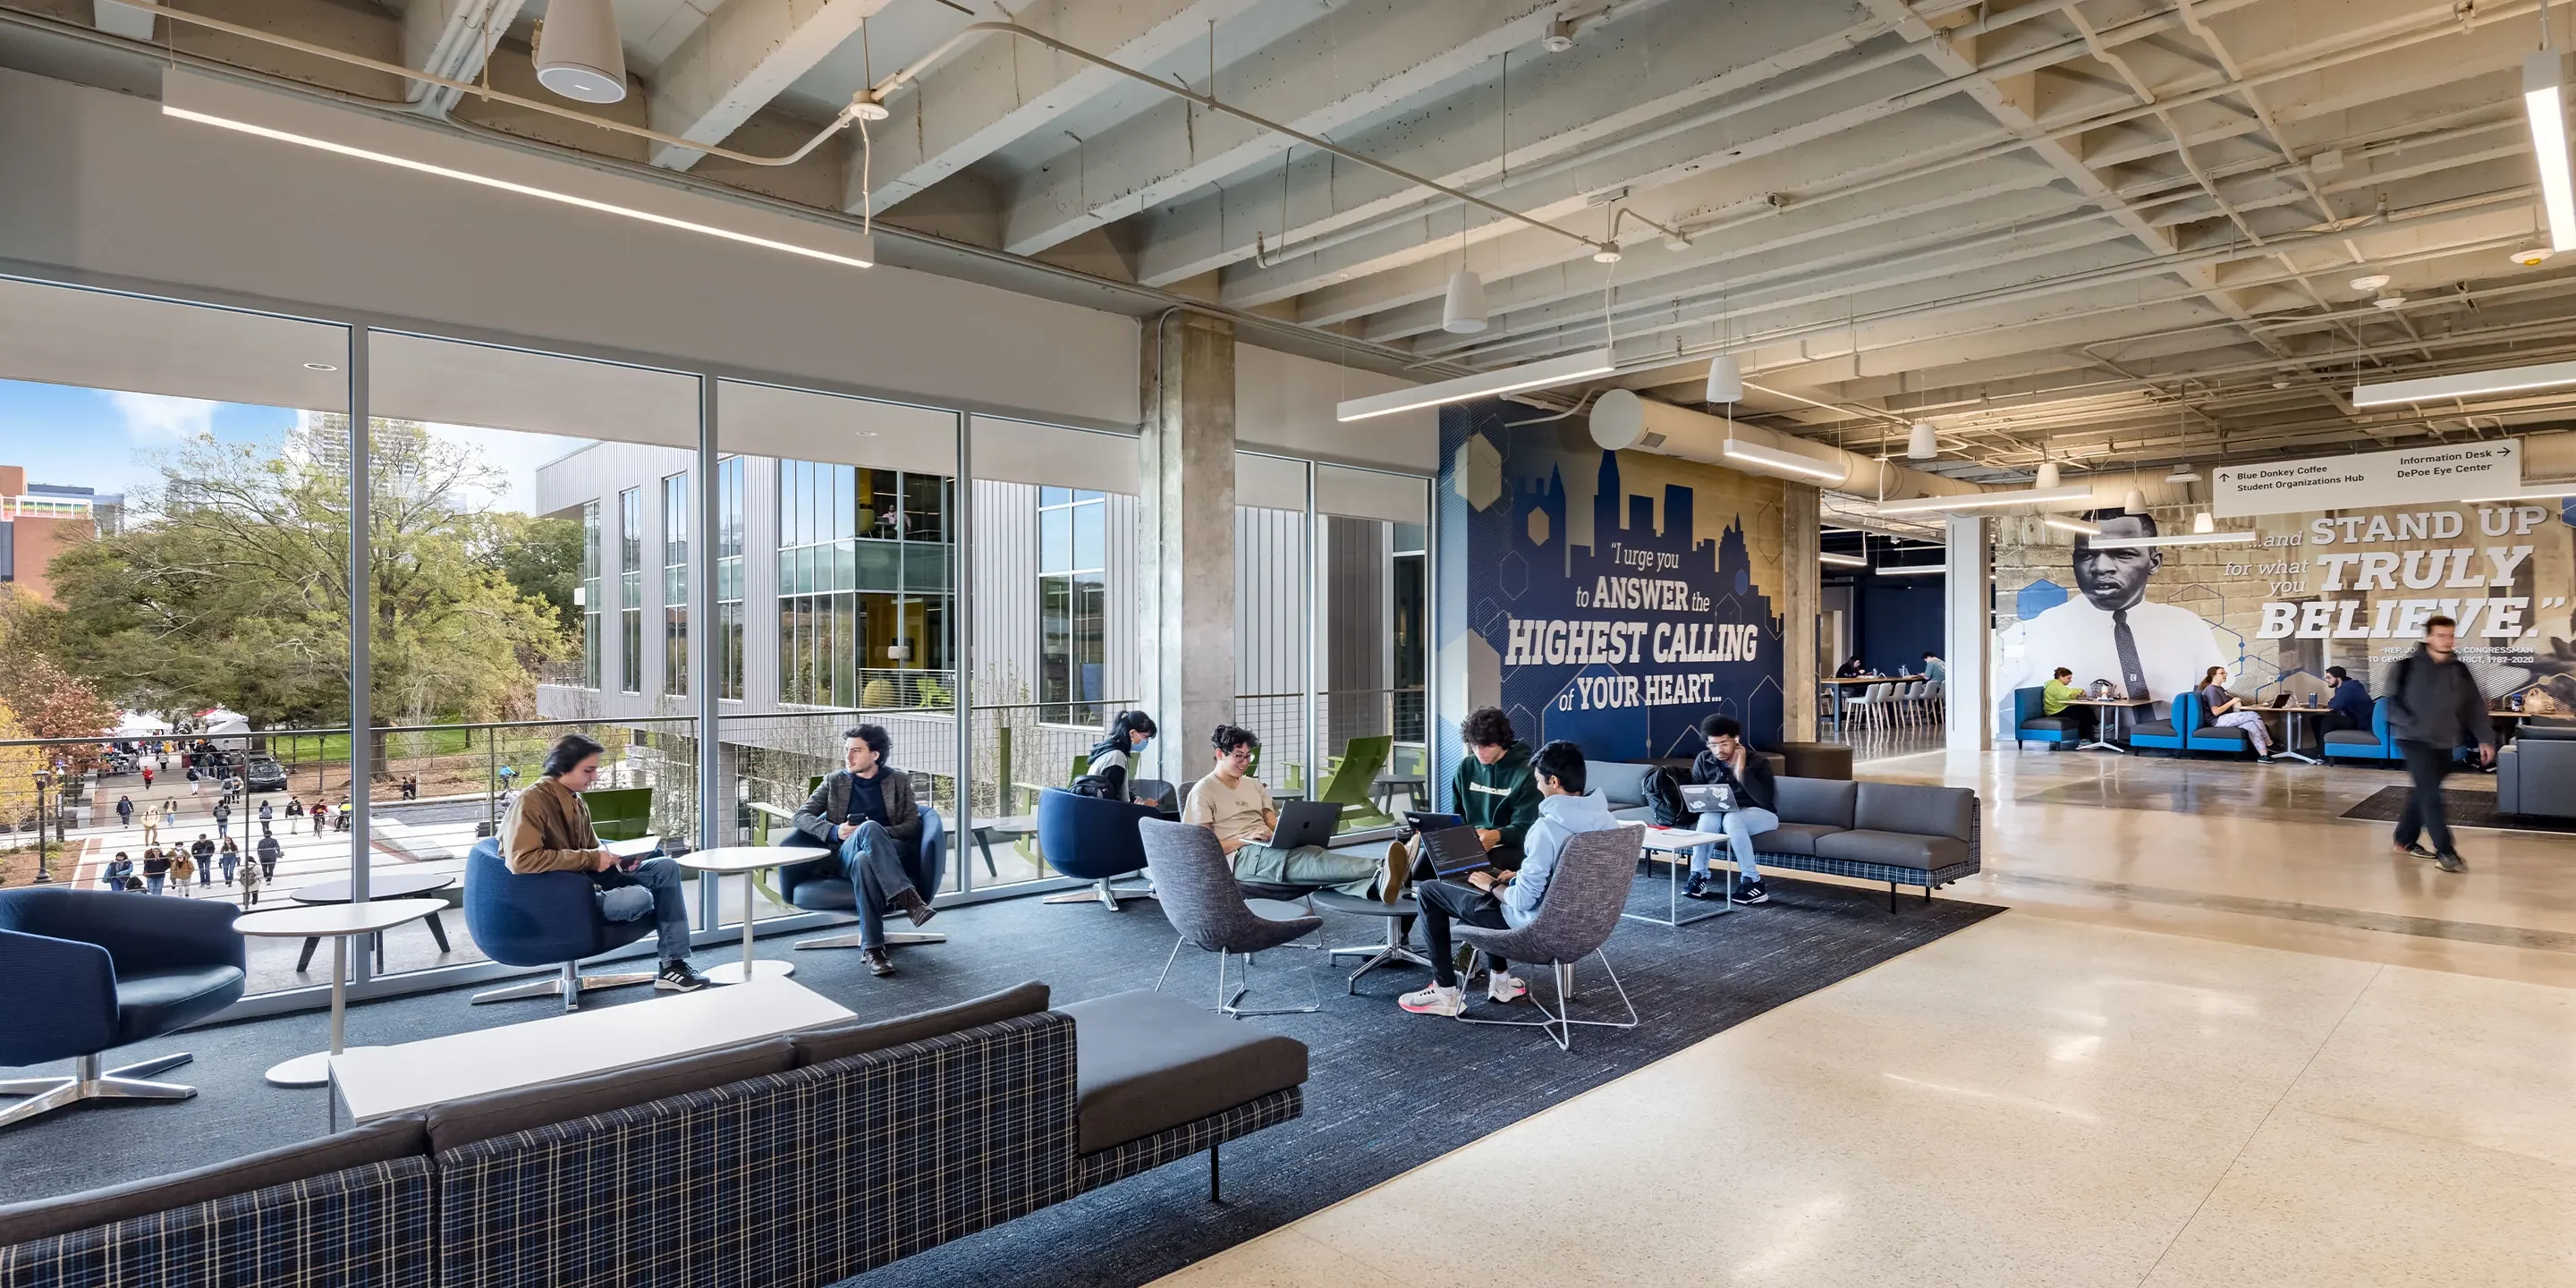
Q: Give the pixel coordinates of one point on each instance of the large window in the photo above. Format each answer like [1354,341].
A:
[675,585]
[728,632]
[591,601]
[630,590]
[1073,605]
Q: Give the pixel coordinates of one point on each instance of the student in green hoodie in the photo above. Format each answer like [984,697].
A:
[1493,787]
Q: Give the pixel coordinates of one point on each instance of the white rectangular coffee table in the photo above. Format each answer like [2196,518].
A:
[1672,846]
[377,1081]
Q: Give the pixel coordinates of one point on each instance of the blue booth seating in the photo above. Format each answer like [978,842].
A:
[542,919]
[1092,839]
[2210,737]
[2173,733]
[2374,743]
[2029,725]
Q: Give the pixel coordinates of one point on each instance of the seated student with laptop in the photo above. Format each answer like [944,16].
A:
[1497,899]
[1739,807]
[1235,806]
[1492,789]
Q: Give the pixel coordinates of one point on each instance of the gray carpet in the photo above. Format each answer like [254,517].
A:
[1388,1091]
[2462,809]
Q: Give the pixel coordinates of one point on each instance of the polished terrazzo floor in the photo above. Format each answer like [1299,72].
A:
[2224,1038]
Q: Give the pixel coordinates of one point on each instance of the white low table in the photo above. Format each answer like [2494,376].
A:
[379,1081]
[743,860]
[1674,844]
[335,922]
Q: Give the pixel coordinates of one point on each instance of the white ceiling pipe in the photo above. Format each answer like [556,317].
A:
[1623,421]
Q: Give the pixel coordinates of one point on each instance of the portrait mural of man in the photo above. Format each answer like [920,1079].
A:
[2110,630]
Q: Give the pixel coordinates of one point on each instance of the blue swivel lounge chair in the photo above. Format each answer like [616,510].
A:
[2374,743]
[543,919]
[2173,733]
[1094,840]
[90,971]
[814,887]
[2029,725]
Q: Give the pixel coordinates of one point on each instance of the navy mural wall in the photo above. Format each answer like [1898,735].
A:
[1611,599]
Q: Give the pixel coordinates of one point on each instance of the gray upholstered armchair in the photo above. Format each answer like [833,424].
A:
[2536,773]
[1195,883]
[1581,908]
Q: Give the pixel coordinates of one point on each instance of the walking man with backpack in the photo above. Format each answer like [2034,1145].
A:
[2434,706]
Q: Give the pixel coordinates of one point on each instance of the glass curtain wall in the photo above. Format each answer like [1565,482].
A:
[837,559]
[1055,613]
[678,500]
[174,556]
[1271,588]
[512,497]
[1371,601]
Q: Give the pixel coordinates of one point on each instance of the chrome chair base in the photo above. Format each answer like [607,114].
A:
[570,984]
[44,1095]
[1559,1023]
[1103,893]
[893,939]
[1226,1002]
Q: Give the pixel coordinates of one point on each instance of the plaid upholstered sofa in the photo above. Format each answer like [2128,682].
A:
[1898,833]
[798,1161]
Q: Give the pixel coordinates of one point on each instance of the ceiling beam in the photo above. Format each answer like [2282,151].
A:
[744,55]
[998,90]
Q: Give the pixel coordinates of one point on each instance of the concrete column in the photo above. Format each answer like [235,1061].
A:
[1185,554]
[1967,637]
[1801,598]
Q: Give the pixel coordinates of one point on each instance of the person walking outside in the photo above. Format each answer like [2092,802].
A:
[230,857]
[2434,705]
[147,775]
[319,810]
[117,871]
[252,878]
[124,811]
[156,870]
[169,821]
[269,851]
[267,811]
[183,867]
[201,855]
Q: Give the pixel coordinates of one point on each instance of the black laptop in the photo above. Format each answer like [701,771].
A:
[1454,850]
[1306,823]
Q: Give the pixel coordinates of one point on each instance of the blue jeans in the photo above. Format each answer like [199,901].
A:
[1740,827]
[878,871]
[659,892]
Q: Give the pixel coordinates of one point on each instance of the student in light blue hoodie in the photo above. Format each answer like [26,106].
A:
[1497,900]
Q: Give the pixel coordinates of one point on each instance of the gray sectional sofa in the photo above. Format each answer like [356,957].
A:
[2536,772]
[801,1160]
[1893,832]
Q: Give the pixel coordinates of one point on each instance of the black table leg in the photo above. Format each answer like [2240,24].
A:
[439,933]
[305,960]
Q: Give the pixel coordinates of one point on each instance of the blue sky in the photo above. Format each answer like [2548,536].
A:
[106,439]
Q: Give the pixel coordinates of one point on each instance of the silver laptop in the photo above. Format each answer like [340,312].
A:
[1708,798]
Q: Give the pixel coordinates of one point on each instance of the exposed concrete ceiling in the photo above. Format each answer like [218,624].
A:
[2115,233]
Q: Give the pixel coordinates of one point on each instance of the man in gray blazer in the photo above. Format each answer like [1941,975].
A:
[865,814]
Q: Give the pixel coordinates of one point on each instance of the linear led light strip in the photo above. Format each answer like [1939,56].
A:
[1787,462]
[2059,497]
[1841,561]
[2078,526]
[505,185]
[2544,82]
[2178,539]
[1914,570]
[2466,384]
[1484,384]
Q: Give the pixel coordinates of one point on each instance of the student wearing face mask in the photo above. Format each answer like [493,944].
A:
[1113,759]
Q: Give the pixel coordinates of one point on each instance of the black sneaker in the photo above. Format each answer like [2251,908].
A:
[2417,851]
[2449,863]
[878,962]
[1699,887]
[1751,892]
[680,977]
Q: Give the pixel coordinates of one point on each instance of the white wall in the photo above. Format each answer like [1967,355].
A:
[94,182]
[1284,403]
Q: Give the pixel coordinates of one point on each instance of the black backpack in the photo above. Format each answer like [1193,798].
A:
[1664,799]
[1095,786]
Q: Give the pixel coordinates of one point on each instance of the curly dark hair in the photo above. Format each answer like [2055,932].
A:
[1486,727]
[1228,737]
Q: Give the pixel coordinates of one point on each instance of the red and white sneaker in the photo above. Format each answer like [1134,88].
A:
[1435,1000]
[1505,988]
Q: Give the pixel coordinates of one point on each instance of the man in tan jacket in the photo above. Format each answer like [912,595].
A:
[548,830]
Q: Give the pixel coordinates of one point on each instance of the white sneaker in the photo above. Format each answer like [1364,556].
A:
[1435,1000]
[1505,988]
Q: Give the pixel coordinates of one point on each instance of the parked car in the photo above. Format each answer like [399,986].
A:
[265,774]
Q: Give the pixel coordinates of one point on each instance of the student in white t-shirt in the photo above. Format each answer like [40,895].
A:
[1235,806]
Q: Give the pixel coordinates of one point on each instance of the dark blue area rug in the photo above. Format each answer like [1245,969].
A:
[1370,1114]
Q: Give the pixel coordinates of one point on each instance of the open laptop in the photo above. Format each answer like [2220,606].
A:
[1708,798]
[1454,850]
[1422,821]
[1306,823]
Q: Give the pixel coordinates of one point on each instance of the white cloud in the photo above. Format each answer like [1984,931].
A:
[161,418]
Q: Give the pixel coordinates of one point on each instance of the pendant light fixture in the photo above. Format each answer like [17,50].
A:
[1921,443]
[2135,502]
[2183,473]
[1725,380]
[578,53]
[2202,522]
[2047,476]
[1463,313]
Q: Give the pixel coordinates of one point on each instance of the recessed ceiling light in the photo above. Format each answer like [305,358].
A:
[2371,282]
[319,366]
[2532,256]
